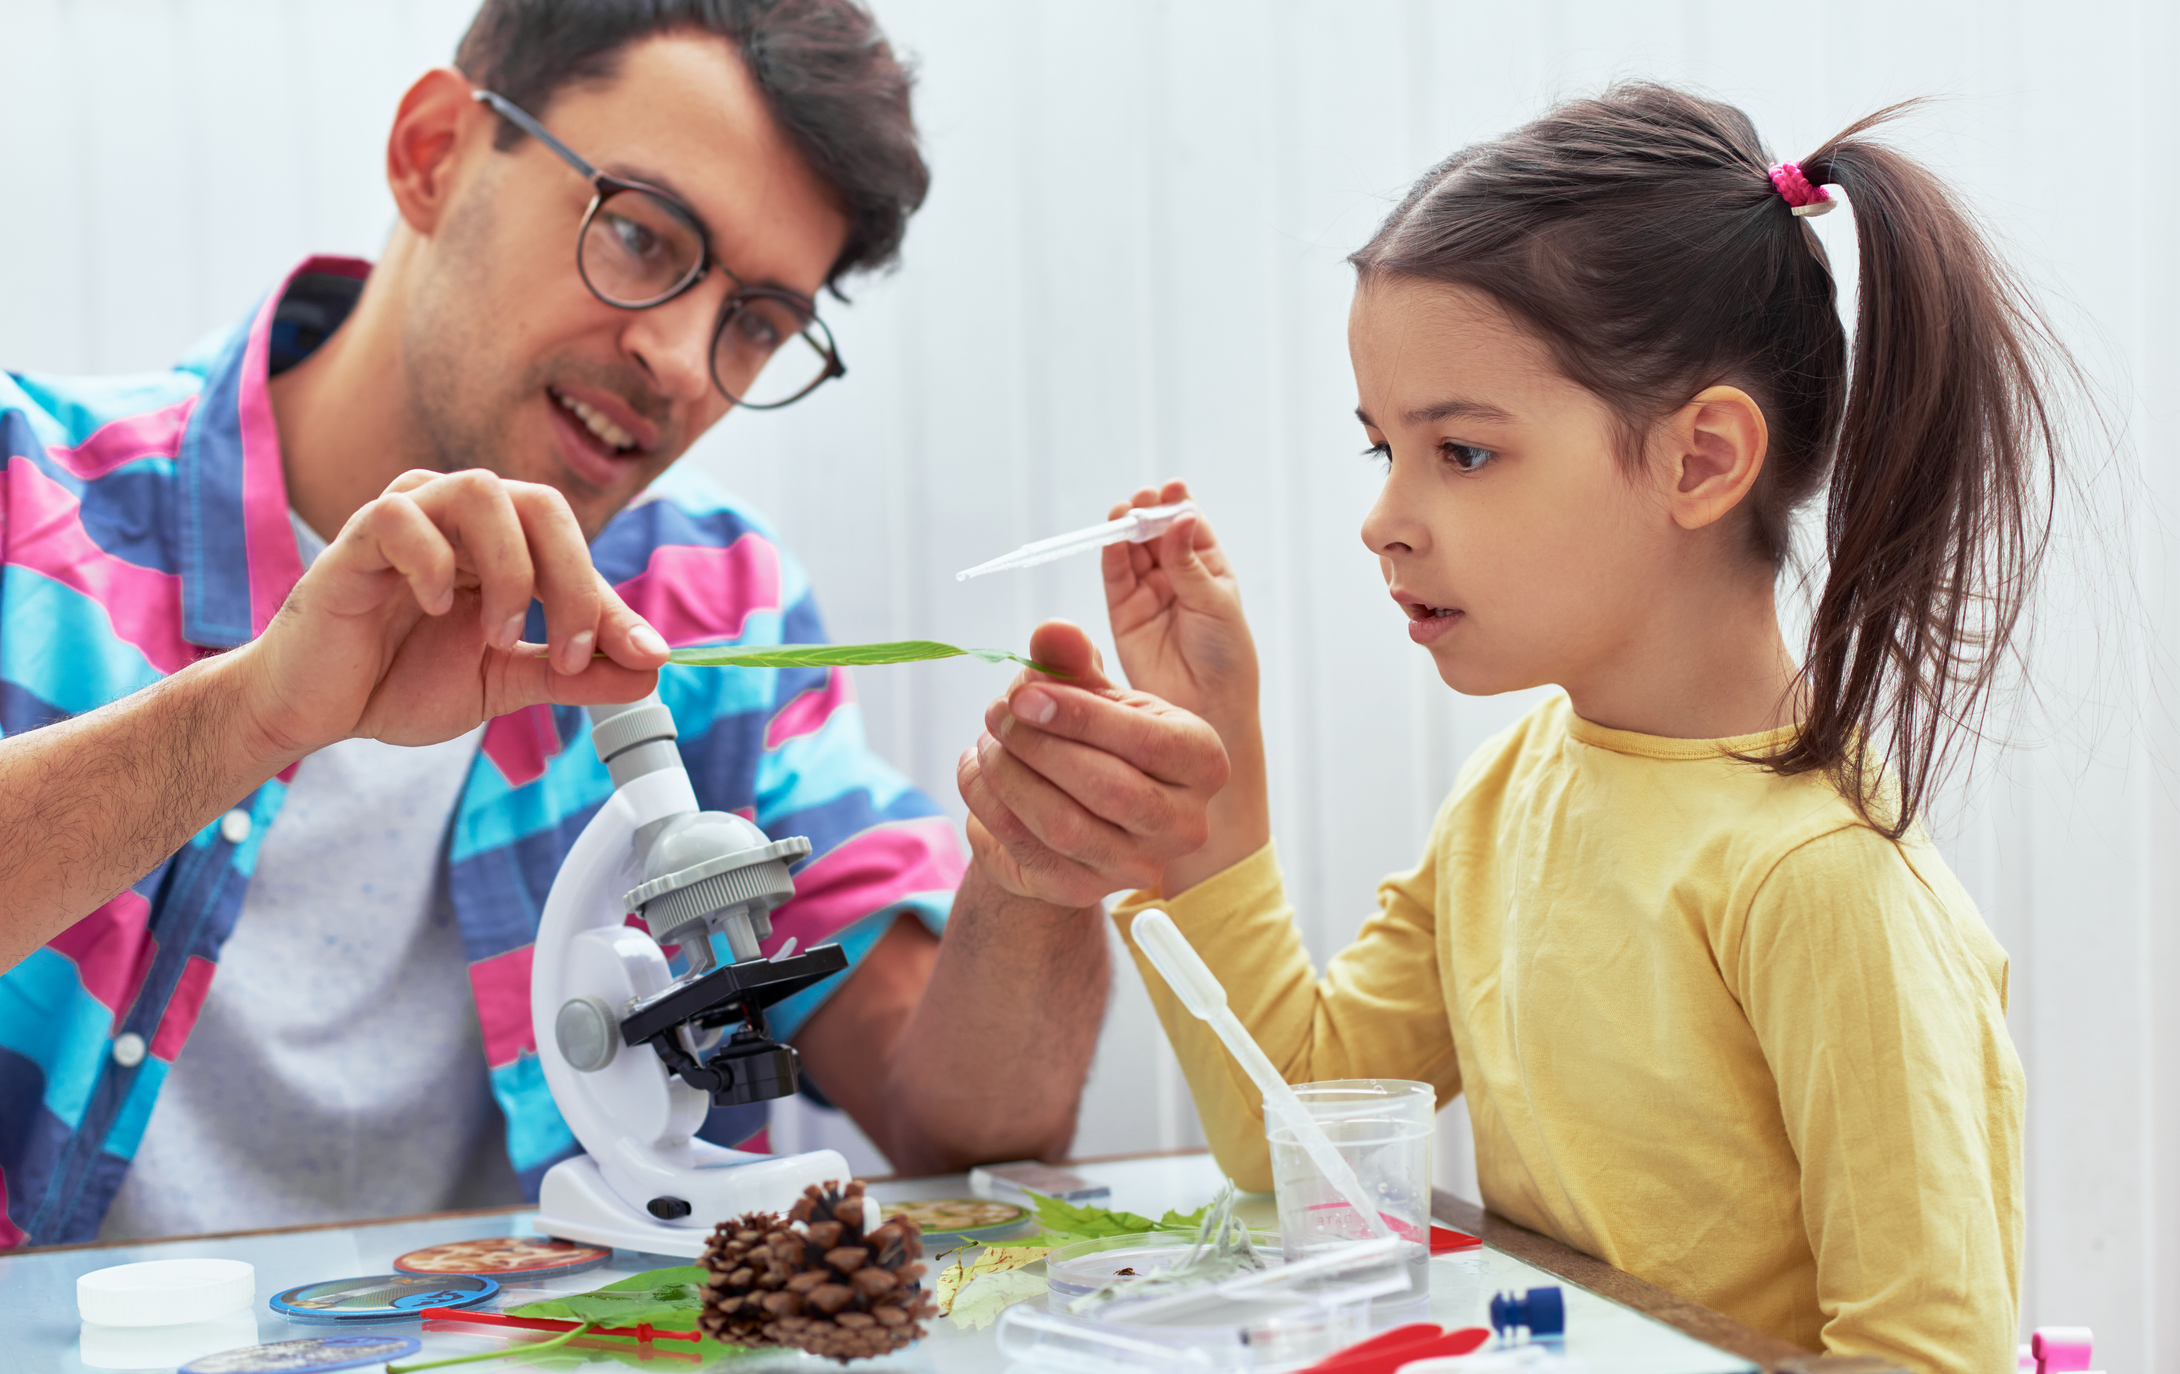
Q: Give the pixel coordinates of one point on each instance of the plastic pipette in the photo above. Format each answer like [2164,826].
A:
[1205,997]
[1136,527]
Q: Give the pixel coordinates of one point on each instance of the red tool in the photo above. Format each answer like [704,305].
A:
[1389,1350]
[643,1332]
[1445,1241]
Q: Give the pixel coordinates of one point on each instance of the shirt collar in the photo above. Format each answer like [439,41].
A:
[238,554]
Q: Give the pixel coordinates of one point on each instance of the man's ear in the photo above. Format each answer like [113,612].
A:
[1711,452]
[436,118]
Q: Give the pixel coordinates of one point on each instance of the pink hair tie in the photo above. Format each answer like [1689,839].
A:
[1795,189]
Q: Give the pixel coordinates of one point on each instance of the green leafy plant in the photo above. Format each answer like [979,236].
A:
[839,655]
[1064,1223]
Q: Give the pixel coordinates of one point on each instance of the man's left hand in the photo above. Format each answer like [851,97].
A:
[1079,788]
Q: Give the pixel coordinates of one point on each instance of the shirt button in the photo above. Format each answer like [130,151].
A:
[235,827]
[129,1049]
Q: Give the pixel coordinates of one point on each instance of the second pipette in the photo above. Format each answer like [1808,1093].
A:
[1137,526]
[1205,997]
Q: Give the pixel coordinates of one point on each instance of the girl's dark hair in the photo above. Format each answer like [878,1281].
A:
[823,68]
[1640,236]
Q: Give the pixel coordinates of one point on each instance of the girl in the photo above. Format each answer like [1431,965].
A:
[1721,1013]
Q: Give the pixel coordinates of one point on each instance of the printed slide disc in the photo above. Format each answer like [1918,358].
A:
[970,1218]
[380,1297]
[532,1257]
[307,1356]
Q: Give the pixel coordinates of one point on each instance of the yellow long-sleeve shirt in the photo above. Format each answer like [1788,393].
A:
[1713,1029]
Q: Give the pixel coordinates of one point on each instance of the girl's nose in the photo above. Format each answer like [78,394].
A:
[1391,526]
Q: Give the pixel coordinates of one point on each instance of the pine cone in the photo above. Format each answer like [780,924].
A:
[815,1281]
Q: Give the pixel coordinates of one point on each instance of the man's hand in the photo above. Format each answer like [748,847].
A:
[408,629]
[1078,788]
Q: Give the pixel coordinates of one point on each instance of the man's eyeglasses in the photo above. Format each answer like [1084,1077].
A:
[639,247]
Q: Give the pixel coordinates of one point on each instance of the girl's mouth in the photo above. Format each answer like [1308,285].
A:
[1428,624]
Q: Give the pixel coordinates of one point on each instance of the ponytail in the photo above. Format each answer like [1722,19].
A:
[1641,236]
[1941,490]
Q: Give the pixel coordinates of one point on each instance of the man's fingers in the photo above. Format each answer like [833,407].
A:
[627,637]
[1109,788]
[1026,864]
[1062,645]
[1163,741]
[476,513]
[527,680]
[407,541]
[567,582]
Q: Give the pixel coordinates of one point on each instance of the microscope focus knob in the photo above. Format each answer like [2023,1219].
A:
[667,1208]
[588,1033]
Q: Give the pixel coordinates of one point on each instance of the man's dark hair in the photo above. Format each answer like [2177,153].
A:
[825,71]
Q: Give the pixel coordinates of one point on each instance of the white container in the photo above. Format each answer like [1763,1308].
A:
[174,1292]
[1382,1128]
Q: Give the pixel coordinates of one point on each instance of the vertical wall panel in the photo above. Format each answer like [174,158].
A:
[1131,267]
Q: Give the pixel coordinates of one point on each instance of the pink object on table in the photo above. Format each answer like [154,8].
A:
[2060,1348]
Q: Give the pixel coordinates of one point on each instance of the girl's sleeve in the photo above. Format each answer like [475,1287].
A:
[1376,1013]
[1880,1002]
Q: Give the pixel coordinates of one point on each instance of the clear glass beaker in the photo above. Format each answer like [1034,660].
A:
[1382,1128]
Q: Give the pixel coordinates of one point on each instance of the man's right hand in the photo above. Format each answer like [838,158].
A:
[1078,788]
[408,628]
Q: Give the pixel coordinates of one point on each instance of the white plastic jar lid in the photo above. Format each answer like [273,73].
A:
[165,1292]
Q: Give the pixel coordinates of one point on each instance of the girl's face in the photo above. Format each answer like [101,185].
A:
[1519,547]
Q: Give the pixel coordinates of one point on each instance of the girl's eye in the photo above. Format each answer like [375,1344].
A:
[1381,454]
[1464,457]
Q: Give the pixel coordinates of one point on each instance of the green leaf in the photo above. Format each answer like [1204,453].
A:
[1177,1221]
[838,655]
[668,1299]
[1064,1223]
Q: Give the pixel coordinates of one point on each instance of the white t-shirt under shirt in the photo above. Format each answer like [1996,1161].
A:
[336,1070]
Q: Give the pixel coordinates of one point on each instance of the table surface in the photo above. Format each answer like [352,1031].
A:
[1611,1335]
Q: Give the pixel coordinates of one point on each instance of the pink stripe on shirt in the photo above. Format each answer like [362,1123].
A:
[521,744]
[693,595]
[869,872]
[180,1017]
[502,987]
[111,950]
[275,566]
[155,434]
[809,711]
[44,525]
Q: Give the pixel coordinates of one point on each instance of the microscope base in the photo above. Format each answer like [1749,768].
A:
[576,1203]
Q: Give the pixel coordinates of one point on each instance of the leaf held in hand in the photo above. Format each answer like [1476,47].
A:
[838,655]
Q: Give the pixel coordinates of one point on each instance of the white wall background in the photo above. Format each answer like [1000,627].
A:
[1130,268]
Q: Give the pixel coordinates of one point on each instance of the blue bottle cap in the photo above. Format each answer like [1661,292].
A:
[1540,1311]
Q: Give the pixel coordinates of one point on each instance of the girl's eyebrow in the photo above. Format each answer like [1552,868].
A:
[1455,408]
[1449,409]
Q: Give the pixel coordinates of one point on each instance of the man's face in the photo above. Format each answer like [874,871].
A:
[514,366]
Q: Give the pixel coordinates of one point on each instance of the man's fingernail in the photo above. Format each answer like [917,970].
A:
[647,640]
[1038,708]
[511,632]
[577,654]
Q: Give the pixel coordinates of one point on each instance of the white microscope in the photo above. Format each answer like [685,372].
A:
[633,1055]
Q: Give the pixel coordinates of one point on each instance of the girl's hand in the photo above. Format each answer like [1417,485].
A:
[1176,617]
[1181,636]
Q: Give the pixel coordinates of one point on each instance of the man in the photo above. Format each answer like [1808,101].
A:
[614,220]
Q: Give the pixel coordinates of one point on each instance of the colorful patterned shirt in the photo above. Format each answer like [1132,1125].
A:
[144,525]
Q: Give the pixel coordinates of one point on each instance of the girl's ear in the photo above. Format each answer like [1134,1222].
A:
[1711,452]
